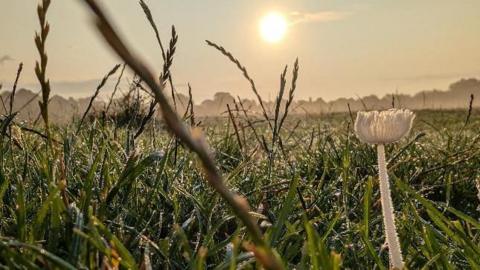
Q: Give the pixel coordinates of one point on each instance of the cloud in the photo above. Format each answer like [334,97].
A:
[297,17]
[432,76]
[5,59]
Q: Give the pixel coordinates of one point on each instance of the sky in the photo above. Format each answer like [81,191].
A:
[346,48]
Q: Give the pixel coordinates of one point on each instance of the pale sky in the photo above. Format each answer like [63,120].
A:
[345,48]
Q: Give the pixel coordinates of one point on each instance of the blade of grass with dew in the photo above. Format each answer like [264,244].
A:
[365,227]
[285,211]
[472,250]
[320,257]
[59,262]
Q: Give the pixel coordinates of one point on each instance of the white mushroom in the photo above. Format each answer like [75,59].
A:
[381,128]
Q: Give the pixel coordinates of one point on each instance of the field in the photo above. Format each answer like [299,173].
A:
[100,199]
[264,189]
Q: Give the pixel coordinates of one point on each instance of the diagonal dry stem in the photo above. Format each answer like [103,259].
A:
[194,142]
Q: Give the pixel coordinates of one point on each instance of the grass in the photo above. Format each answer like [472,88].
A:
[103,200]
[242,191]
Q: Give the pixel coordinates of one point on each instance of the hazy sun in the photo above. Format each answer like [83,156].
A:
[273,27]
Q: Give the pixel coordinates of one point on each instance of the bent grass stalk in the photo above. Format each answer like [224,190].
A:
[192,140]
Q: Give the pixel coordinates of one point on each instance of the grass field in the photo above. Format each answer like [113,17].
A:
[245,190]
[100,199]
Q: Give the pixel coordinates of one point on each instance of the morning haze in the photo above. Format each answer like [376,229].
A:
[345,48]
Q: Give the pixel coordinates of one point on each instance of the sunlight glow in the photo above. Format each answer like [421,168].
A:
[273,27]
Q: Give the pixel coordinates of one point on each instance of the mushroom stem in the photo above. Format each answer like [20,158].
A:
[394,251]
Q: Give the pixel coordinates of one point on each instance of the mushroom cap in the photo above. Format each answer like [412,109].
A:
[383,127]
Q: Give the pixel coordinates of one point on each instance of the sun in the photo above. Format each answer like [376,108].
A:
[273,27]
